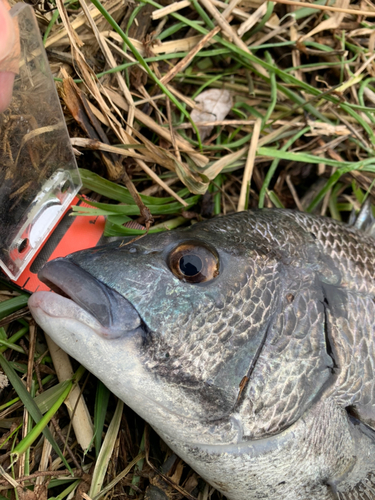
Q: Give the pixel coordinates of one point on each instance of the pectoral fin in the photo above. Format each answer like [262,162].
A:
[364,221]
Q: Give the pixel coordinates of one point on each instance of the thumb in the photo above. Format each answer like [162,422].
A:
[7,65]
[7,32]
[6,87]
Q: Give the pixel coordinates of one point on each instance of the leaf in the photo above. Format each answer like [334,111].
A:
[333,22]
[158,154]
[45,400]
[213,105]
[192,181]
[224,162]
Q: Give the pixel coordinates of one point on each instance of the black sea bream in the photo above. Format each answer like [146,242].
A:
[246,341]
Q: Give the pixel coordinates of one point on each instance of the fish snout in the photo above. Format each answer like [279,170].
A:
[114,312]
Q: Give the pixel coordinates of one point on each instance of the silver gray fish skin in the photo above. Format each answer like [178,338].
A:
[262,377]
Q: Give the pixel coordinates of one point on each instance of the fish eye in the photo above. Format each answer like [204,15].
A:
[194,262]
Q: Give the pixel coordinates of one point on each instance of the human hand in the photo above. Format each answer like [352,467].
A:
[8,41]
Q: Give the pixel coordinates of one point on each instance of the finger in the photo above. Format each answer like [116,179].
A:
[9,54]
[6,86]
[7,33]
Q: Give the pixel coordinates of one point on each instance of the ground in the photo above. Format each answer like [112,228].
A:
[198,108]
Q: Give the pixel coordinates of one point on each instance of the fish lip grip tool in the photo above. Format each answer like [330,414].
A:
[39,177]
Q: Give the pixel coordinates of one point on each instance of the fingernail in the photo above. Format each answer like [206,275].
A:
[6,31]
[6,87]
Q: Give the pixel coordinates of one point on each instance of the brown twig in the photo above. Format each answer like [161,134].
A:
[145,212]
[64,441]
[231,34]
[189,57]
[21,313]
[47,473]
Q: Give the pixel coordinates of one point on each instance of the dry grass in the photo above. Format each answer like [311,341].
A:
[300,135]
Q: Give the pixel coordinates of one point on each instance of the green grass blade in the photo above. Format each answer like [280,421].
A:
[12,305]
[101,405]
[30,404]
[329,185]
[14,338]
[362,122]
[264,20]
[275,199]
[120,193]
[309,158]
[67,491]
[108,209]
[274,165]
[106,451]
[117,229]
[47,399]
[41,426]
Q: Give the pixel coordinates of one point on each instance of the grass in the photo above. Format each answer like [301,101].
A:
[306,74]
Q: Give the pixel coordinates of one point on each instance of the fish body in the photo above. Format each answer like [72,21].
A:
[246,341]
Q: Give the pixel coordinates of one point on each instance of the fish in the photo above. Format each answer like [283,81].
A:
[246,341]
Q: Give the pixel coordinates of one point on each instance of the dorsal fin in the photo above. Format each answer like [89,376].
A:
[365,220]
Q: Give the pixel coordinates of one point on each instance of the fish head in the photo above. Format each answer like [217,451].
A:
[172,323]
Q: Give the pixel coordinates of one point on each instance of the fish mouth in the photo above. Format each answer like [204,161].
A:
[78,295]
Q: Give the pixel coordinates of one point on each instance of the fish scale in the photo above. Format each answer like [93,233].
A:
[278,366]
[259,374]
[354,342]
[353,252]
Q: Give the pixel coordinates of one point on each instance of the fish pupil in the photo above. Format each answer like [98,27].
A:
[190,265]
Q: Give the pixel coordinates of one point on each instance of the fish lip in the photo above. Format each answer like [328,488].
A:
[54,306]
[113,312]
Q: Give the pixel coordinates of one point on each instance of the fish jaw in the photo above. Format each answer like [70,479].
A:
[85,339]
[114,315]
[48,308]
